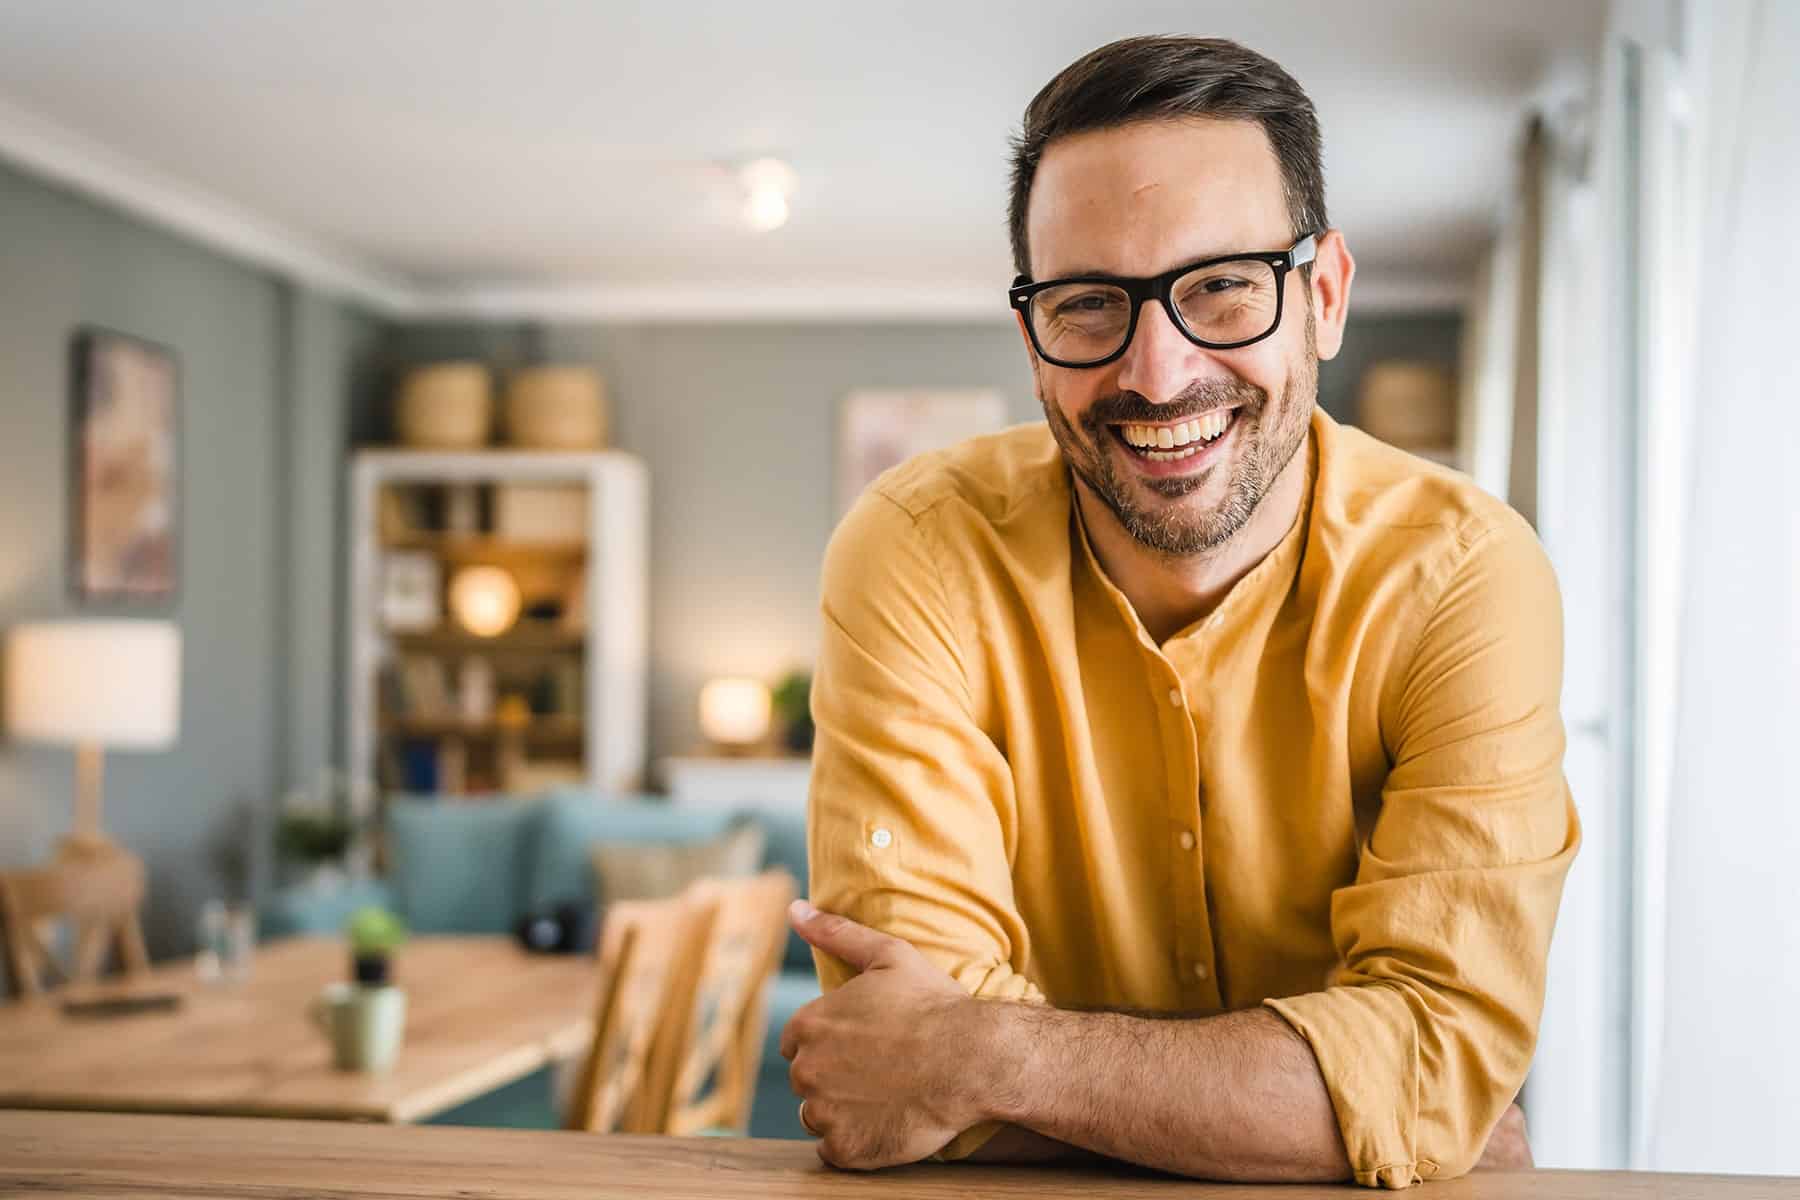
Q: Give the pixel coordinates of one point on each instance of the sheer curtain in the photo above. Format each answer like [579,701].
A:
[1668,450]
[1724,1094]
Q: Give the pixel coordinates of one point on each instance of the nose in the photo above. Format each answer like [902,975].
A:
[1161,363]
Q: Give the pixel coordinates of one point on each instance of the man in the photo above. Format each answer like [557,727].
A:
[1188,784]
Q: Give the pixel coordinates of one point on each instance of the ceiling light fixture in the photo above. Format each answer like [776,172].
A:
[767,184]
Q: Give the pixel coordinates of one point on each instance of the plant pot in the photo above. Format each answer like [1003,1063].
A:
[365,1025]
[370,970]
[799,736]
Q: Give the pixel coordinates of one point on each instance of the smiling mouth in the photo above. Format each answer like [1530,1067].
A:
[1177,441]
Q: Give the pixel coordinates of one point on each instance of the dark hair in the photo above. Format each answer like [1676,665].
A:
[1166,78]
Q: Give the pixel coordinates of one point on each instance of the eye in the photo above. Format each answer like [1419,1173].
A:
[1093,302]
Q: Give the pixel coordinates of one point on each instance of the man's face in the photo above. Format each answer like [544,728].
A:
[1139,201]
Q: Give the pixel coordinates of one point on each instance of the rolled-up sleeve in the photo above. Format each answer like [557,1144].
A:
[1427,1027]
[911,816]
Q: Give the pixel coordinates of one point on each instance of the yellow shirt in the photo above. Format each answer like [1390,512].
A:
[1339,794]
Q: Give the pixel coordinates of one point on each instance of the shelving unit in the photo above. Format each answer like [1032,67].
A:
[567,692]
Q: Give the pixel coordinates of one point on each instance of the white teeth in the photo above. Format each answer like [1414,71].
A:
[1172,455]
[1173,437]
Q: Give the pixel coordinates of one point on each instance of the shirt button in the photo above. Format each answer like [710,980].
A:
[1175,697]
[1187,839]
[1200,971]
[881,839]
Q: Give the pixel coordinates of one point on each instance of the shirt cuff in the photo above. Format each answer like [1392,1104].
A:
[1367,1047]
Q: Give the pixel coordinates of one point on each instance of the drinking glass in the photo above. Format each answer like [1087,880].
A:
[227,941]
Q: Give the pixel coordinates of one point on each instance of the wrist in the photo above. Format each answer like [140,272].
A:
[1005,1054]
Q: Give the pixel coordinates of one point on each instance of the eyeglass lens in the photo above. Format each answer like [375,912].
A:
[1223,303]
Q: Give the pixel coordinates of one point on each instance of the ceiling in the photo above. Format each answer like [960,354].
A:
[556,158]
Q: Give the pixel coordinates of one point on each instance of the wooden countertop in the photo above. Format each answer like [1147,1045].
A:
[117,1157]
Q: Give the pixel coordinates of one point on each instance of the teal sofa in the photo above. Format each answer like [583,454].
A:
[475,868]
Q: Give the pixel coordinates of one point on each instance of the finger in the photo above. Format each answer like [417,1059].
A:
[793,1034]
[858,946]
[834,1150]
[806,1122]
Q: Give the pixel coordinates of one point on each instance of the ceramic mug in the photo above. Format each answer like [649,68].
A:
[363,1024]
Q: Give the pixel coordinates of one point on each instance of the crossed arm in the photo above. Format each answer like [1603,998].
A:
[901,1059]
[1396,1070]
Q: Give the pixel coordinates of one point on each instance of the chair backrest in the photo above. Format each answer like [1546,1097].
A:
[705,1059]
[638,947]
[97,893]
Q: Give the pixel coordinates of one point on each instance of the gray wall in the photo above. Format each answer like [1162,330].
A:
[1427,336]
[266,387]
[737,423]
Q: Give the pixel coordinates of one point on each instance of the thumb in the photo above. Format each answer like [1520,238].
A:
[861,947]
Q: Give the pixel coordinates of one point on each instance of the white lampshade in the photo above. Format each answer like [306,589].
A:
[734,712]
[115,684]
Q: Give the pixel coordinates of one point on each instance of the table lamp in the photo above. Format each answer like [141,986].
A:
[96,686]
[734,713]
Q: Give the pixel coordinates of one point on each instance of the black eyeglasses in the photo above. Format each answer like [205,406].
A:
[1220,303]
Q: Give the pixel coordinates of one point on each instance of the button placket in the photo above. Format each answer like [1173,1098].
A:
[1183,780]
[1194,966]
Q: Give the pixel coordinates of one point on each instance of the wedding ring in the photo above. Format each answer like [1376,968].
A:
[806,1124]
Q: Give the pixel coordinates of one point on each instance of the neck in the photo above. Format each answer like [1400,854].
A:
[1169,594]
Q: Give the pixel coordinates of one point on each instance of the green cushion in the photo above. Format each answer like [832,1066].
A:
[313,910]
[458,867]
[787,848]
[573,820]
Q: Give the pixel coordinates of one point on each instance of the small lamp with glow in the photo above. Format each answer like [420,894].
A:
[734,714]
[485,600]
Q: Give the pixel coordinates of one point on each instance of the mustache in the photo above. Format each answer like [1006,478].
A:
[1198,398]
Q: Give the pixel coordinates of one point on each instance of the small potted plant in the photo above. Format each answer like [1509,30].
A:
[374,933]
[365,1019]
[792,701]
[314,843]
[324,832]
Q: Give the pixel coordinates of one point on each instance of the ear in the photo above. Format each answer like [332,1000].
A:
[1332,271]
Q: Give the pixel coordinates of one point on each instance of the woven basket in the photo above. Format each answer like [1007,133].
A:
[445,406]
[556,408]
[1408,404]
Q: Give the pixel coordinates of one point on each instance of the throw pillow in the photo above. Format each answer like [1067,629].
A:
[658,870]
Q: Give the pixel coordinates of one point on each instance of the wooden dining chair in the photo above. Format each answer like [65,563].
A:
[97,896]
[639,942]
[704,1062]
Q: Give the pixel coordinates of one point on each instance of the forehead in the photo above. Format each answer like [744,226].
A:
[1141,198]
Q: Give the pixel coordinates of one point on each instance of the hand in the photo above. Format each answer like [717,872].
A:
[1508,1149]
[883,1063]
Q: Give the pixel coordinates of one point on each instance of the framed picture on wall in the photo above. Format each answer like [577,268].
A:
[125,446]
[882,429]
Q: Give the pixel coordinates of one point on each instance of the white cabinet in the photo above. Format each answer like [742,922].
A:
[418,678]
[726,782]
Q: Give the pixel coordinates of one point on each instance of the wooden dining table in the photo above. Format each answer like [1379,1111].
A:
[119,1157]
[481,1013]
